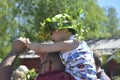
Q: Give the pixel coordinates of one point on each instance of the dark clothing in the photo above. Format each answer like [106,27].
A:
[56,75]
[102,75]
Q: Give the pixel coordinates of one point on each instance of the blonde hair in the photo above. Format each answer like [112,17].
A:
[97,57]
[18,75]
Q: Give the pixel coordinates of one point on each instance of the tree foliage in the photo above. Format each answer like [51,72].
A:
[113,22]
[93,16]
[7,26]
[24,18]
[117,55]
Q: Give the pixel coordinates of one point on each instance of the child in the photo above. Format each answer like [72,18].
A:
[75,55]
[98,61]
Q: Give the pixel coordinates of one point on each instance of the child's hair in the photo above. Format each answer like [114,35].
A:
[71,30]
[98,58]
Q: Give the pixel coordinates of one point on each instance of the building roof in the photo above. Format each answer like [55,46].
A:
[112,43]
[110,58]
[29,54]
[98,44]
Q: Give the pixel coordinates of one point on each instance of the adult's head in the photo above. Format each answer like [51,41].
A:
[62,34]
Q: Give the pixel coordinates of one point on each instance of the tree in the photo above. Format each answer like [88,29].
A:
[35,12]
[92,19]
[24,12]
[23,18]
[7,26]
[117,55]
[113,22]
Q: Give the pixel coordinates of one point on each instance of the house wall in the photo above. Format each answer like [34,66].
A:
[31,63]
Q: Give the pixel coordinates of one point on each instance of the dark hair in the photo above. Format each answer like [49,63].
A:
[71,31]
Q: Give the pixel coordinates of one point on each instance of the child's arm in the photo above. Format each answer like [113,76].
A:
[45,48]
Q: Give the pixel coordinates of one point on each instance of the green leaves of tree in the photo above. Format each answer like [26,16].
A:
[27,17]
[117,55]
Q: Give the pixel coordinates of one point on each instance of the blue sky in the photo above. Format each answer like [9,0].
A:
[108,3]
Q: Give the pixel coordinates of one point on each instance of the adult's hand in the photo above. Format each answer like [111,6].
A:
[20,44]
[6,66]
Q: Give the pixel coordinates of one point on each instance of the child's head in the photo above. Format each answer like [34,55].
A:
[20,73]
[62,34]
[98,58]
